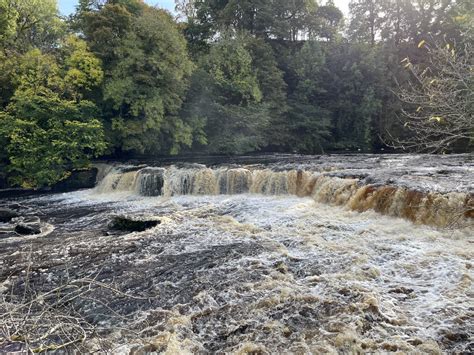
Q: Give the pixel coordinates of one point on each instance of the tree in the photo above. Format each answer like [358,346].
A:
[48,128]
[439,102]
[25,25]
[279,19]
[329,18]
[353,85]
[226,94]
[104,27]
[146,85]
[366,20]
[147,71]
[28,24]
[308,123]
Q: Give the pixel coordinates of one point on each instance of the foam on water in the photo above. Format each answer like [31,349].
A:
[416,205]
[251,259]
[320,279]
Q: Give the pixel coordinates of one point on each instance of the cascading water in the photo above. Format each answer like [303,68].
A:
[440,209]
[298,258]
[149,182]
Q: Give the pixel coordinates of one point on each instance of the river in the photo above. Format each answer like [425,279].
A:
[258,255]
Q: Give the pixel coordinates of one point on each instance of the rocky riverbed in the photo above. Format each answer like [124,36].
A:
[254,272]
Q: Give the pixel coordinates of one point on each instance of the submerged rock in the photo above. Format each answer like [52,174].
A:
[28,228]
[6,215]
[28,225]
[128,224]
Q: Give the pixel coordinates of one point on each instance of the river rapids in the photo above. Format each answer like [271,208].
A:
[288,254]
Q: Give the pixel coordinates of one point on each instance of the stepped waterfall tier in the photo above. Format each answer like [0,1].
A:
[426,207]
[250,255]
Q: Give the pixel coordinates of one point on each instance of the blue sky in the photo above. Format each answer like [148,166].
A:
[67,7]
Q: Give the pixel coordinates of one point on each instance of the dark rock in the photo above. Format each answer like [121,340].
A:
[79,179]
[130,168]
[401,289]
[17,192]
[28,225]
[127,224]
[455,336]
[14,206]
[415,341]
[7,214]
[28,228]
[3,180]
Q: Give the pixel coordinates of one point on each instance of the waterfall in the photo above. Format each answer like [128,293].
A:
[150,182]
[117,180]
[419,207]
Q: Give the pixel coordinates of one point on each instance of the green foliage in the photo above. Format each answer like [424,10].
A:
[146,85]
[48,129]
[230,65]
[41,155]
[308,121]
[83,69]
[147,71]
[269,76]
[352,85]
[104,29]
[27,24]
[225,94]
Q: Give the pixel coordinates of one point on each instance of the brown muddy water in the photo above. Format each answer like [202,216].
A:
[281,254]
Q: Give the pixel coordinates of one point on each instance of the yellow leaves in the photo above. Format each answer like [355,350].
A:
[432,81]
[406,124]
[407,61]
[436,118]
[422,43]
[419,109]
[17,338]
[450,49]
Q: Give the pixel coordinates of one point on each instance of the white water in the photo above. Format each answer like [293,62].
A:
[433,208]
[326,279]
[253,260]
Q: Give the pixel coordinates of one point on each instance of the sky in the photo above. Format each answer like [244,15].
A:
[67,7]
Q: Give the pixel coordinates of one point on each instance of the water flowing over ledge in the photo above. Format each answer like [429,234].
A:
[248,258]
[437,208]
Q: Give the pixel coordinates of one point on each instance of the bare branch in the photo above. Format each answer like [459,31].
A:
[438,101]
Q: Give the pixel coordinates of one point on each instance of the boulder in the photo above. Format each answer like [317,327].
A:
[28,228]
[28,225]
[128,224]
[79,179]
[7,214]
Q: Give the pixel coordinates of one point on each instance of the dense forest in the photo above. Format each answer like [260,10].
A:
[120,78]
